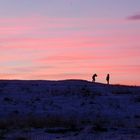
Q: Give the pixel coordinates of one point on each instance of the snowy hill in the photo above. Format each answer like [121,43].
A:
[68,110]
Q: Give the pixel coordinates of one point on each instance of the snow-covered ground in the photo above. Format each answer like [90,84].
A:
[68,110]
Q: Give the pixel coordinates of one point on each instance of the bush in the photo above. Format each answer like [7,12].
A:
[21,138]
[7,99]
[137,99]
[31,121]
[122,91]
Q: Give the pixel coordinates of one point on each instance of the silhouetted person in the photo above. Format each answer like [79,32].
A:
[93,77]
[107,78]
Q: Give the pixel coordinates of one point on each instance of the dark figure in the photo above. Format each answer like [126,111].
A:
[107,78]
[93,77]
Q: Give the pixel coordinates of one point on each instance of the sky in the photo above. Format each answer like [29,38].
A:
[70,39]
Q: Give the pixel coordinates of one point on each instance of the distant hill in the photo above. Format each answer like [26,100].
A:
[68,109]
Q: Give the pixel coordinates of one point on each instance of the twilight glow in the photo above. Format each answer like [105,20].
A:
[70,39]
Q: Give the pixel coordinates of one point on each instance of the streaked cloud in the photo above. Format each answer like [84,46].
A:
[60,48]
[134,17]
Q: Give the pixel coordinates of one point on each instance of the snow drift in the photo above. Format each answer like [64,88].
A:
[72,109]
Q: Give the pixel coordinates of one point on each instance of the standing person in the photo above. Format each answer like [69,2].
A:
[107,78]
[93,77]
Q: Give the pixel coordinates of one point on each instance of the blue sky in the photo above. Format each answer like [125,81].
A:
[71,8]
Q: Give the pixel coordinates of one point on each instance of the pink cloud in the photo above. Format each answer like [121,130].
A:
[14,30]
[55,50]
[68,42]
[47,25]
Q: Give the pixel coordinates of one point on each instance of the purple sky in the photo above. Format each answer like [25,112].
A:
[64,39]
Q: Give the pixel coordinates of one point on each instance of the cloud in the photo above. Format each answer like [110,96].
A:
[62,48]
[134,17]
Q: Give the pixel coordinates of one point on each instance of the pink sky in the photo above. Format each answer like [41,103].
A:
[70,47]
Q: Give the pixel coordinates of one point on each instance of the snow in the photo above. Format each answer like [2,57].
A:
[68,110]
